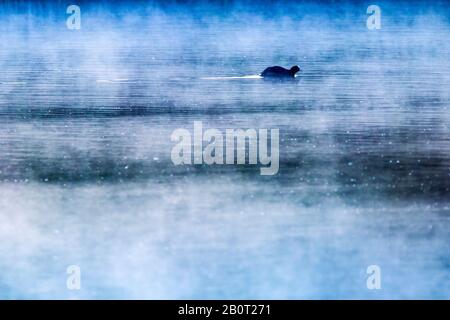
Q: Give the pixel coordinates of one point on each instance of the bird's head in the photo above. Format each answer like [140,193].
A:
[295,69]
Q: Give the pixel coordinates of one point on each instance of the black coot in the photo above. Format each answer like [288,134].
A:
[280,72]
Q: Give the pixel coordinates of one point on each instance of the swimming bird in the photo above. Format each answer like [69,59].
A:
[280,72]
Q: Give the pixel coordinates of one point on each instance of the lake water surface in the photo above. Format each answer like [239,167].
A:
[86,176]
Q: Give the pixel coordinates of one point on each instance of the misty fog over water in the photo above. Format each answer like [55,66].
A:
[86,176]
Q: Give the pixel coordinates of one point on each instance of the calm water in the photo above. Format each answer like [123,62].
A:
[86,177]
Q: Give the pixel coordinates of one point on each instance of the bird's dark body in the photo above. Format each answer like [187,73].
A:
[280,72]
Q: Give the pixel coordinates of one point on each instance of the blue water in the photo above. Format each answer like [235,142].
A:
[86,177]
